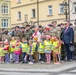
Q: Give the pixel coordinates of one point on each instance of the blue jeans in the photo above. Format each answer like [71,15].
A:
[23,56]
[7,58]
[16,57]
[31,58]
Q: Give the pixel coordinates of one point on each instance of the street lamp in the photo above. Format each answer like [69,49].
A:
[67,9]
[66,5]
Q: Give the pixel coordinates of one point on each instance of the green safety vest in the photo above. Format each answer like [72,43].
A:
[47,45]
[55,44]
[41,48]
[24,47]
[17,48]
[1,52]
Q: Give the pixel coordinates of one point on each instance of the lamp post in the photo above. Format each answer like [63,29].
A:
[66,6]
[38,12]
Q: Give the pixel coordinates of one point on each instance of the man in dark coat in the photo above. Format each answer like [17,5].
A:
[68,38]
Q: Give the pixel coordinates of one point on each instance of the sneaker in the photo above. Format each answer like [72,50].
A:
[7,62]
[42,62]
[16,62]
[30,62]
[48,62]
[57,63]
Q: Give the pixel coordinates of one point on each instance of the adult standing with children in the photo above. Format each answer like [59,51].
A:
[68,38]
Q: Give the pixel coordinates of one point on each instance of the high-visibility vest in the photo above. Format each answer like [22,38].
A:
[13,44]
[55,44]
[1,52]
[30,50]
[34,46]
[41,48]
[24,47]
[47,45]
[17,48]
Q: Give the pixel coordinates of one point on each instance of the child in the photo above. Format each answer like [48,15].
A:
[41,52]
[56,50]
[12,48]
[47,47]
[6,51]
[35,48]
[17,50]
[24,47]
[1,53]
[31,51]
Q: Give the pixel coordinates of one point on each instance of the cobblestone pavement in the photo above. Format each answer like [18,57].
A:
[66,68]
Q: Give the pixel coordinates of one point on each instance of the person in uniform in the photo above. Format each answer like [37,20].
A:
[28,32]
[17,32]
[55,30]
[6,36]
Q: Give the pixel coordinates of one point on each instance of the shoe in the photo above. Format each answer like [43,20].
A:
[16,62]
[30,62]
[42,62]
[57,63]
[7,62]
[48,62]
[70,60]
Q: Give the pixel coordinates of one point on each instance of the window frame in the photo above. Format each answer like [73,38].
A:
[50,9]
[74,7]
[60,7]
[33,13]
[18,1]
[5,23]
[19,15]
[4,8]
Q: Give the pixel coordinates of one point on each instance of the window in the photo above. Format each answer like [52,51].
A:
[18,1]
[19,15]
[33,13]
[74,6]
[5,23]
[50,10]
[4,8]
[61,9]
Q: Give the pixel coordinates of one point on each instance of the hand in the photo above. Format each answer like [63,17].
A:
[70,42]
[62,42]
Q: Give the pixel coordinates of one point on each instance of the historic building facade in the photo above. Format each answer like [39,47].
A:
[5,14]
[34,11]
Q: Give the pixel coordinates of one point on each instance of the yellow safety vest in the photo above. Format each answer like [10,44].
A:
[47,45]
[1,52]
[32,51]
[24,47]
[17,48]
[41,48]
[34,46]
[55,44]
[13,44]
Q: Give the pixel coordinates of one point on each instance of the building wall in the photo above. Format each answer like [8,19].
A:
[72,13]
[5,16]
[26,6]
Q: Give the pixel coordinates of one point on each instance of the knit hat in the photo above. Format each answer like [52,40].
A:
[48,36]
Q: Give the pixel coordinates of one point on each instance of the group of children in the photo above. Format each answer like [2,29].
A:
[29,52]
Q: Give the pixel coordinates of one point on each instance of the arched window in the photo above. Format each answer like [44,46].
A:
[4,8]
